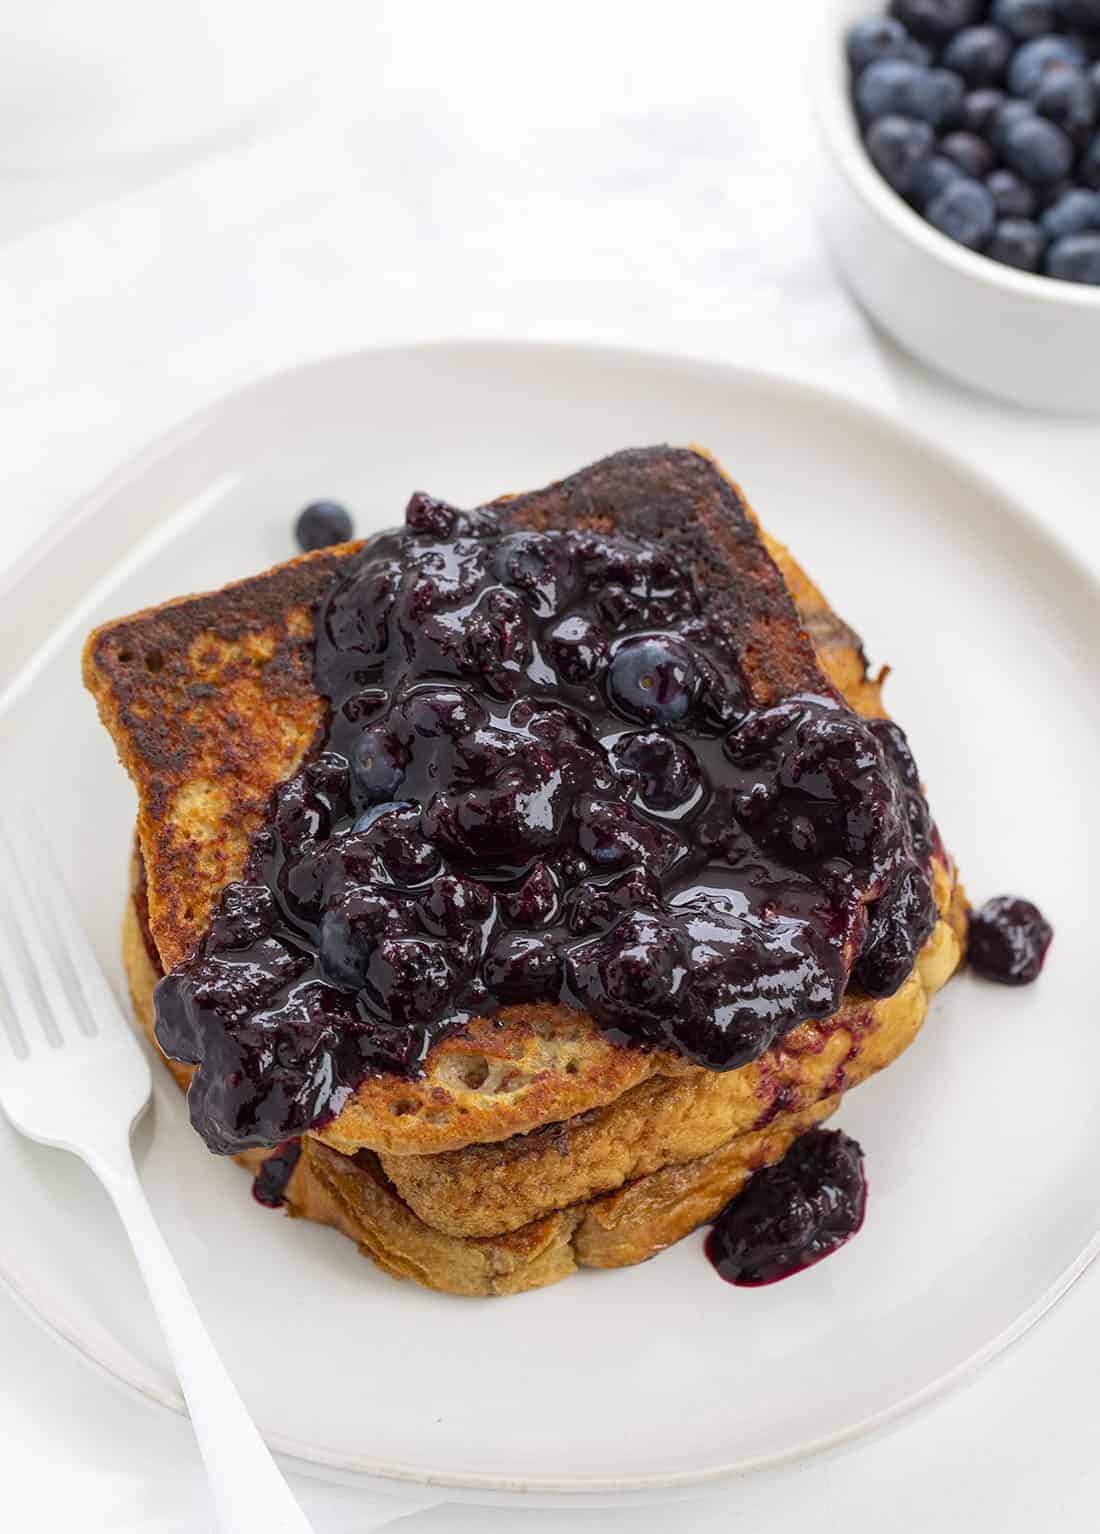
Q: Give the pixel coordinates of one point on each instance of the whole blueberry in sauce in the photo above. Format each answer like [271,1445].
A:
[543,777]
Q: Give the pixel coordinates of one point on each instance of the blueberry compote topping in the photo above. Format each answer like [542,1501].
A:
[543,779]
[1008,940]
[793,1214]
[270,1183]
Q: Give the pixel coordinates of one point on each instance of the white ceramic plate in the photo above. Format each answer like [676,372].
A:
[982,1143]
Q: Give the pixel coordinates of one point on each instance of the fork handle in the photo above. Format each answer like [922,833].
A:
[250,1494]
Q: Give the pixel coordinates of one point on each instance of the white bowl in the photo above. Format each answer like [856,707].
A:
[1028,339]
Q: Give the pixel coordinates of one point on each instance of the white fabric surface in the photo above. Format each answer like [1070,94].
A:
[624,174]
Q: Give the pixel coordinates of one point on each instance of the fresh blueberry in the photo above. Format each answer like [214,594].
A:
[1025,19]
[936,20]
[946,95]
[1076,212]
[973,155]
[1033,60]
[980,110]
[652,679]
[879,37]
[1006,118]
[1013,197]
[964,211]
[1075,259]
[931,178]
[1088,169]
[898,146]
[322,524]
[917,53]
[1080,13]
[896,88]
[1037,150]
[377,766]
[979,54]
[1067,97]
[1017,242]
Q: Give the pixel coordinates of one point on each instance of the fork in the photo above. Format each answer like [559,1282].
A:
[73,1075]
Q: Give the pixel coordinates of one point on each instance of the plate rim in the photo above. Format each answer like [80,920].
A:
[363,1468]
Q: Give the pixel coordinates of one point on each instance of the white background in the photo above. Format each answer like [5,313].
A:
[620,173]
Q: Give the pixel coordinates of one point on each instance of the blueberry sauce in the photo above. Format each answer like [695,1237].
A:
[270,1183]
[1008,940]
[793,1214]
[543,778]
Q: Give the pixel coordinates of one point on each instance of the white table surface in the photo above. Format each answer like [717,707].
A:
[628,175]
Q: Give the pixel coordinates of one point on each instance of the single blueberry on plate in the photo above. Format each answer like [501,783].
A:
[931,178]
[1075,212]
[1017,242]
[1075,259]
[979,54]
[1034,59]
[878,37]
[1067,97]
[1025,19]
[979,110]
[896,88]
[964,211]
[322,524]
[936,20]
[1013,197]
[652,679]
[973,155]
[1037,150]
[898,146]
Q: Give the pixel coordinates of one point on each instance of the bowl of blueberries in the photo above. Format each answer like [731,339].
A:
[963,139]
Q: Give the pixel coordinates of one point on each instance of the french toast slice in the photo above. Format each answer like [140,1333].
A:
[211,703]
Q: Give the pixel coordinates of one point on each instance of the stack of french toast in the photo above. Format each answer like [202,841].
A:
[530,1138]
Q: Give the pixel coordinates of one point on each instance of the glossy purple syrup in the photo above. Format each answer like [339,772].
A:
[542,779]
[1008,940]
[791,1215]
[270,1183]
